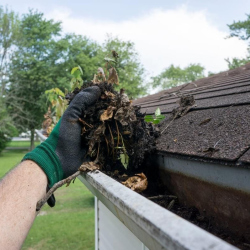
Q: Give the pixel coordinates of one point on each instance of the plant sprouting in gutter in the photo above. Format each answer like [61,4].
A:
[156,118]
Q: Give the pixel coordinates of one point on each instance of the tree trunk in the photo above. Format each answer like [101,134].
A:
[32,144]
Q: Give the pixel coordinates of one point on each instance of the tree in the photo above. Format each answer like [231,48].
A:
[7,128]
[9,33]
[174,76]
[237,62]
[33,67]
[129,68]
[77,50]
[240,29]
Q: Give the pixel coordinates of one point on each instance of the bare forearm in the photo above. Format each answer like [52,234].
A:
[19,192]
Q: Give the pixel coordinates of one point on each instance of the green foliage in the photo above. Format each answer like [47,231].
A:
[78,50]
[174,76]
[156,118]
[52,95]
[76,80]
[56,98]
[7,129]
[9,34]
[128,67]
[240,29]
[34,68]
[124,159]
[236,62]
[43,59]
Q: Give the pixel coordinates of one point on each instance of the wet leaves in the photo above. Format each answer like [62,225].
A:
[137,183]
[125,115]
[107,94]
[113,76]
[89,167]
[96,136]
[107,114]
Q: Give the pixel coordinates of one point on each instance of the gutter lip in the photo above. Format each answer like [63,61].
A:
[168,229]
[40,134]
[233,163]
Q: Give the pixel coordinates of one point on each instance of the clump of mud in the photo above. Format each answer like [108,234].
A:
[117,136]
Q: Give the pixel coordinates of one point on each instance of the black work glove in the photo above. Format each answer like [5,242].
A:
[63,152]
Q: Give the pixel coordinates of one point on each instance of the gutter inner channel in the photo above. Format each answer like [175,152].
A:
[212,196]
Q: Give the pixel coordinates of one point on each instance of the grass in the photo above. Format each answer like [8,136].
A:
[21,143]
[69,225]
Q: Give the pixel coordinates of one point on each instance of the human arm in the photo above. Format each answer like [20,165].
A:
[20,190]
[58,157]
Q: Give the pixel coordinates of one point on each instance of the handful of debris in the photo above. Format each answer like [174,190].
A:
[117,136]
[115,131]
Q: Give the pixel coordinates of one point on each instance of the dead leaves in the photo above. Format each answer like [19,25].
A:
[186,103]
[96,137]
[113,76]
[99,77]
[137,183]
[107,94]
[125,115]
[88,167]
[107,114]
[115,54]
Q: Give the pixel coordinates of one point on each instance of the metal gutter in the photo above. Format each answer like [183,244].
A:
[155,226]
[40,135]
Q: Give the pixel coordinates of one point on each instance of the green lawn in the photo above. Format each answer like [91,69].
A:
[69,225]
[20,143]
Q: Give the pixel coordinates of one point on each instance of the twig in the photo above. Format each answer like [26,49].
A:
[162,197]
[167,126]
[97,157]
[217,143]
[118,132]
[54,188]
[86,166]
[85,123]
[171,204]
[113,142]
[107,143]
[111,135]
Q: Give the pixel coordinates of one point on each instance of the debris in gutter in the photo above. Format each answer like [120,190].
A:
[186,103]
[171,204]
[138,183]
[206,121]
[211,150]
[162,197]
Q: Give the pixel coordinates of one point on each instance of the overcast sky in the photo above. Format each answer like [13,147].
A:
[164,32]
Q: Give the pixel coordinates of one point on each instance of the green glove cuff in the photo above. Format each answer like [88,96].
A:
[45,156]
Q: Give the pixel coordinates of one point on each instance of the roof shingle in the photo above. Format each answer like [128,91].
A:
[218,127]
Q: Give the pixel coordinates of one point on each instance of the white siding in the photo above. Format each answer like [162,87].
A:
[111,234]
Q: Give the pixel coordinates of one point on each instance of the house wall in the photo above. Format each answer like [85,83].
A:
[111,234]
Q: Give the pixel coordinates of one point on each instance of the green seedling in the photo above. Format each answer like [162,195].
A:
[76,80]
[56,98]
[156,118]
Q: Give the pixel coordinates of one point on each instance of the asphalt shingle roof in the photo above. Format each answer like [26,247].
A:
[217,128]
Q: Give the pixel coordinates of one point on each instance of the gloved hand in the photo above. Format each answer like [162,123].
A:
[63,152]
